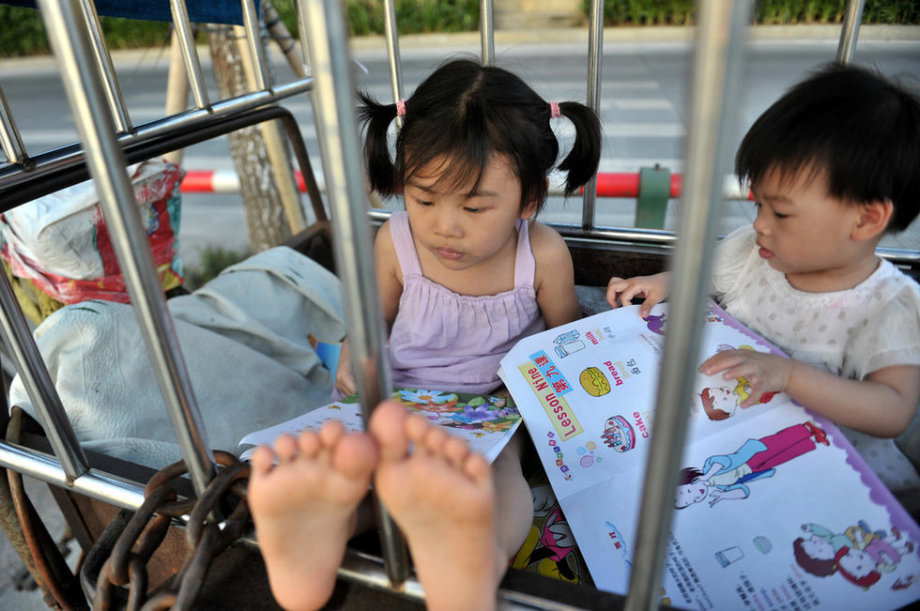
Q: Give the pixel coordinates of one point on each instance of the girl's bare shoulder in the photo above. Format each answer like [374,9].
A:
[385,252]
[548,246]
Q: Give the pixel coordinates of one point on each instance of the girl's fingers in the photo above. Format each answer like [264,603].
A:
[646,308]
[626,296]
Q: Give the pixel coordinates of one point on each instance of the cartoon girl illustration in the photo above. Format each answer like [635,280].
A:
[550,545]
[817,551]
[863,563]
[719,402]
[859,555]
[724,477]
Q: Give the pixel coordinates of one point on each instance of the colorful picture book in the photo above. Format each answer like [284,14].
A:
[486,422]
[776,509]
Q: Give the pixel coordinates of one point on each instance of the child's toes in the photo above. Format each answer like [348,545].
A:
[262,460]
[308,443]
[331,432]
[417,428]
[456,450]
[286,448]
[435,439]
[476,467]
[355,456]
[388,426]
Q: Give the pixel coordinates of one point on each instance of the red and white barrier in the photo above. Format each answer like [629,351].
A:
[609,184]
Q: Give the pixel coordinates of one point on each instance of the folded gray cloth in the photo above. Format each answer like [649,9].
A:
[243,338]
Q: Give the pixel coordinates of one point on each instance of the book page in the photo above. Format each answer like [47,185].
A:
[762,483]
[486,422]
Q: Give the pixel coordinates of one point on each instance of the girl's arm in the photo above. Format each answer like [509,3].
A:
[735,494]
[389,290]
[554,279]
[882,404]
[389,276]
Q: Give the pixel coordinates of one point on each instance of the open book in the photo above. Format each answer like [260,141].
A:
[777,509]
[486,422]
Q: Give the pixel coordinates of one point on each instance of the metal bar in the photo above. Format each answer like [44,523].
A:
[189,52]
[719,52]
[10,140]
[849,31]
[259,77]
[18,339]
[323,29]
[655,237]
[187,120]
[116,196]
[392,37]
[595,57]
[255,73]
[487,32]
[93,483]
[176,89]
[104,63]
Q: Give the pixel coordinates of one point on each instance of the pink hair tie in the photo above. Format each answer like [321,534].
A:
[554,112]
[401,108]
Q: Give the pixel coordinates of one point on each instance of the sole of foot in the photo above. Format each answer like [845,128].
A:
[442,497]
[303,493]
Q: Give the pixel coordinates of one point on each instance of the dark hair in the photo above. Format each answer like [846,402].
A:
[686,476]
[464,112]
[859,129]
[816,566]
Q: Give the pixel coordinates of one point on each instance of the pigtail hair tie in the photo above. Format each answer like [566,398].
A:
[554,112]
[400,108]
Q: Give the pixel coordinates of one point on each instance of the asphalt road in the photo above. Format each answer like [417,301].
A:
[644,110]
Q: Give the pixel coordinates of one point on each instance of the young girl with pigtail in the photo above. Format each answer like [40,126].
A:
[464,273]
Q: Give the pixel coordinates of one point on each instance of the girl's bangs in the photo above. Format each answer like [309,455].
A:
[455,158]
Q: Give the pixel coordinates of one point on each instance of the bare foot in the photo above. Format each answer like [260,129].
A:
[442,498]
[304,508]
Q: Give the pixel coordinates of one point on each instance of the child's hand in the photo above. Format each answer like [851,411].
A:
[344,379]
[765,372]
[715,496]
[621,291]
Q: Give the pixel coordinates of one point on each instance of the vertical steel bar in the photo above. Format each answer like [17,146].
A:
[107,167]
[721,29]
[849,31]
[595,57]
[18,338]
[323,34]
[189,52]
[176,89]
[253,26]
[392,37]
[487,32]
[10,140]
[106,68]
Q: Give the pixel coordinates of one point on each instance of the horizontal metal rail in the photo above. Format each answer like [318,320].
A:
[658,237]
[42,183]
[12,174]
[96,484]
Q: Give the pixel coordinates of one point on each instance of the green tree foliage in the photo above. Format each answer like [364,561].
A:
[22,32]
[680,12]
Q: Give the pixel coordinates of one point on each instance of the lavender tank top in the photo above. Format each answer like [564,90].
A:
[442,340]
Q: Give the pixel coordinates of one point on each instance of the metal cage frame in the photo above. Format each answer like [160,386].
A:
[109,141]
